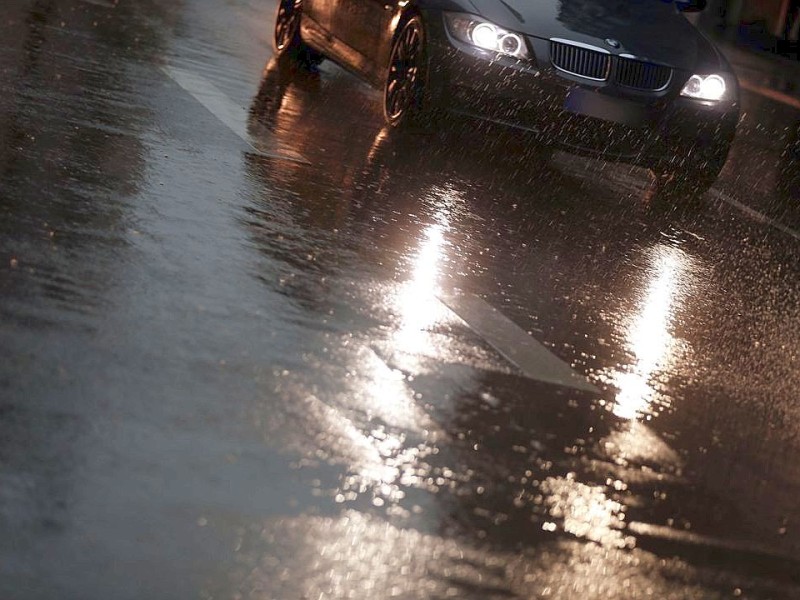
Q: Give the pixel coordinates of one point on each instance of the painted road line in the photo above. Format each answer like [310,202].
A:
[741,550]
[232,116]
[754,214]
[101,3]
[513,343]
[770,93]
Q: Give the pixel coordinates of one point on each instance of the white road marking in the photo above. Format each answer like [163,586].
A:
[754,214]
[670,534]
[513,343]
[232,116]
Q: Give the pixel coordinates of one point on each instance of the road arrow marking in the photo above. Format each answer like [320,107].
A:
[531,357]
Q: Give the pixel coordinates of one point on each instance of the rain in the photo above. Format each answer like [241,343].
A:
[342,299]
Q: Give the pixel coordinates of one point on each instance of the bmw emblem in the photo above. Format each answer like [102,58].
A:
[613,43]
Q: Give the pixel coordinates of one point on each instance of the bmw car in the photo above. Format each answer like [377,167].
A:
[624,80]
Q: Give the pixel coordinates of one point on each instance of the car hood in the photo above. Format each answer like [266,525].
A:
[652,30]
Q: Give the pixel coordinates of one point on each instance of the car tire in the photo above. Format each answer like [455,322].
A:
[689,179]
[678,184]
[404,94]
[286,39]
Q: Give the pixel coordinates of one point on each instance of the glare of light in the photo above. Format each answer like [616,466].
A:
[380,460]
[417,303]
[638,444]
[370,436]
[711,87]
[693,86]
[585,511]
[650,338]
[484,35]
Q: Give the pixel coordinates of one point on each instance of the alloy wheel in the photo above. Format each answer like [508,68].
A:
[403,81]
[287,24]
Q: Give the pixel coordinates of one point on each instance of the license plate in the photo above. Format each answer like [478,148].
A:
[618,110]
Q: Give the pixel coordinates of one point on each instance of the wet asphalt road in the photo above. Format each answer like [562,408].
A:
[254,346]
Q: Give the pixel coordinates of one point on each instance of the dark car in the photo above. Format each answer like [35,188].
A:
[625,80]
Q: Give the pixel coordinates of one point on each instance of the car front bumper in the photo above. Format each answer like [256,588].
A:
[580,116]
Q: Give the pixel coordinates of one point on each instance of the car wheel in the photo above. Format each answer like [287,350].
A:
[689,167]
[678,184]
[287,40]
[689,179]
[404,92]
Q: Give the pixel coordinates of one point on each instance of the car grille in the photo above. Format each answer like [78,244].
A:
[642,75]
[580,61]
[597,65]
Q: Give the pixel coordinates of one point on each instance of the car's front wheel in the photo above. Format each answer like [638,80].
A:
[404,91]
[287,40]
[679,183]
[691,172]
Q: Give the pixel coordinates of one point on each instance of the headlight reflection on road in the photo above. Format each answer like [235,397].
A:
[417,304]
[384,460]
[650,337]
[586,512]
[380,459]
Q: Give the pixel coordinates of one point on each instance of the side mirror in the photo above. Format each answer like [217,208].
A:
[691,5]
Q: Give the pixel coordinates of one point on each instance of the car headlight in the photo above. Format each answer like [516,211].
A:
[483,34]
[706,87]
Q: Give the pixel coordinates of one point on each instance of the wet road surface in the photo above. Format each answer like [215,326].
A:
[252,345]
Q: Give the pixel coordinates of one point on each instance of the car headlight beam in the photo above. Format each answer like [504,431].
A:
[485,35]
[709,87]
